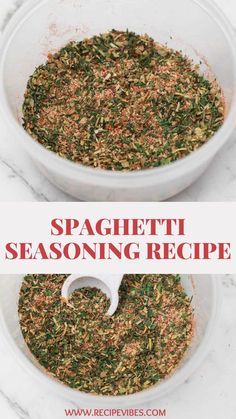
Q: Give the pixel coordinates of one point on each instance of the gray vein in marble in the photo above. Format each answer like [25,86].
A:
[229,281]
[17,173]
[10,13]
[16,407]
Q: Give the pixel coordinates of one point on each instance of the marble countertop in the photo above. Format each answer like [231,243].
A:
[22,181]
[210,392]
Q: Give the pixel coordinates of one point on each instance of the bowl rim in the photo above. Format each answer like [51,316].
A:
[153,393]
[192,160]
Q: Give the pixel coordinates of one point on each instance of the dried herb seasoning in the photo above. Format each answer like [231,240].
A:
[121,101]
[81,346]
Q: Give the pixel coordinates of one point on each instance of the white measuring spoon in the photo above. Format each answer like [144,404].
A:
[108,284]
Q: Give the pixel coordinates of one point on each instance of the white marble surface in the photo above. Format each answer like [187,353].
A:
[20,179]
[210,392]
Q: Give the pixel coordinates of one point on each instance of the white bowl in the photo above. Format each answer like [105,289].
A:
[197,27]
[205,290]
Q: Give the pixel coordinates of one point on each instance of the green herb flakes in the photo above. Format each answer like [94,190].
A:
[121,101]
[76,342]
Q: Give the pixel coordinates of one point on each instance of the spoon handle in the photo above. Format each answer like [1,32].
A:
[109,284]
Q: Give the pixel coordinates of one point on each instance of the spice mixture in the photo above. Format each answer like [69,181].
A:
[121,101]
[75,341]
